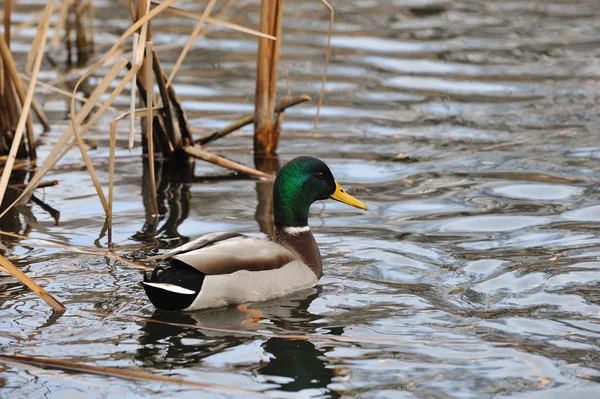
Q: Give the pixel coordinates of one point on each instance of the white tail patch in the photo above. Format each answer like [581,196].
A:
[296,230]
[171,288]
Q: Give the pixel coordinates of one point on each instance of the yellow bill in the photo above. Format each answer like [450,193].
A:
[342,196]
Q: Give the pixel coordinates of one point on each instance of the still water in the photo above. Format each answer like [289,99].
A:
[470,128]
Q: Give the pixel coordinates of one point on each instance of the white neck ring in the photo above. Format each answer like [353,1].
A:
[296,230]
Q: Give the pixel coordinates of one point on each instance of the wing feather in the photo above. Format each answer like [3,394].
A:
[198,243]
[225,253]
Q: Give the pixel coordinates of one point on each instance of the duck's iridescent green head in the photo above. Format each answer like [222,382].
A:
[299,183]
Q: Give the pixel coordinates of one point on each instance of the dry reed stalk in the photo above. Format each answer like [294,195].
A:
[128,374]
[64,92]
[217,21]
[225,163]
[246,120]
[266,133]
[136,39]
[184,128]
[8,7]
[91,17]
[44,25]
[149,122]
[35,44]
[42,293]
[327,57]
[191,40]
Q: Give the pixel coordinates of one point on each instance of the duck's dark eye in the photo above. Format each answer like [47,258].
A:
[320,175]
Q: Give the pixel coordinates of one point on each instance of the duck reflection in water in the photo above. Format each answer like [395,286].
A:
[294,365]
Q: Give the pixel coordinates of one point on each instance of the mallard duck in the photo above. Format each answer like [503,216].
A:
[221,269]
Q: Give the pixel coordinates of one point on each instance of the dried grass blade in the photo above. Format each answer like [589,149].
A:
[127,374]
[44,25]
[191,40]
[217,21]
[42,293]
[327,57]
[8,7]
[64,92]
[239,28]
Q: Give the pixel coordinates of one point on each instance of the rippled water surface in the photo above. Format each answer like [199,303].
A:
[470,128]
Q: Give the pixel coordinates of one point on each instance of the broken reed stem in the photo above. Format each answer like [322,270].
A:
[127,374]
[149,121]
[43,28]
[225,163]
[42,293]
[266,135]
[184,128]
[246,120]
[167,116]
[132,94]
